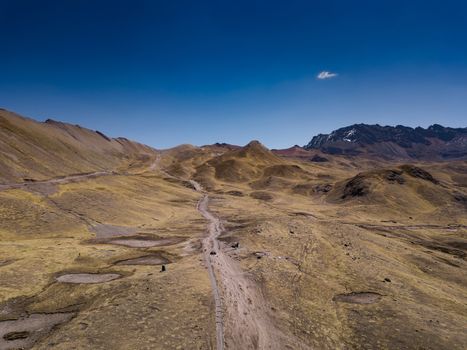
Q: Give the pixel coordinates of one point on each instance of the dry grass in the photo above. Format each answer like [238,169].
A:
[305,236]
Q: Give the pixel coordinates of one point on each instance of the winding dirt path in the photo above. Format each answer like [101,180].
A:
[56,181]
[241,309]
[211,244]
[77,177]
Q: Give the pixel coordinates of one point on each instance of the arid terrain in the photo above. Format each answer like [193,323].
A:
[109,244]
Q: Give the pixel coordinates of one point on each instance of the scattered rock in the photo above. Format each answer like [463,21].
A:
[235,193]
[302,213]
[103,135]
[418,173]
[292,260]
[395,176]
[318,159]
[322,188]
[235,245]
[264,196]
[387,280]
[260,255]
[460,198]
[356,187]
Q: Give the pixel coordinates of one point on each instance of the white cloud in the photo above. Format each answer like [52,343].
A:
[326,75]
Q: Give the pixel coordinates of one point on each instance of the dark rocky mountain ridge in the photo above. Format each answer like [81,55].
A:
[435,142]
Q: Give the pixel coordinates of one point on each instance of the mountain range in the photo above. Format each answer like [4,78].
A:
[329,246]
[400,142]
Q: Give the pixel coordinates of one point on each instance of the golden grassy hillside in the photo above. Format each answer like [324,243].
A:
[344,280]
[35,151]
[237,166]
[407,190]
[345,253]
[99,226]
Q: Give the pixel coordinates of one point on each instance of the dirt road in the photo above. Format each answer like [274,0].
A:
[77,177]
[56,181]
[211,246]
[241,310]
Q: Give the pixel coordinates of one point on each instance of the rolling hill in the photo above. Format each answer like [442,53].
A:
[222,244]
[31,150]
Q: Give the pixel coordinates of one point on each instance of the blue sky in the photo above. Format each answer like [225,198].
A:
[172,72]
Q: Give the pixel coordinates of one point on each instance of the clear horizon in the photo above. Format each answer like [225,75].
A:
[205,144]
[165,74]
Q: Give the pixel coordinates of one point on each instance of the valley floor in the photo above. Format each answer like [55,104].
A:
[186,268]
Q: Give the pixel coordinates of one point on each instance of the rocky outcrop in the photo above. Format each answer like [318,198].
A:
[436,142]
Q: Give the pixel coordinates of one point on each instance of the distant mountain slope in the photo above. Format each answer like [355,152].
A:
[400,142]
[238,165]
[35,151]
[294,151]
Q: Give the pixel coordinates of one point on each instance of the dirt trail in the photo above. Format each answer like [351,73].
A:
[156,163]
[56,181]
[77,177]
[211,244]
[240,306]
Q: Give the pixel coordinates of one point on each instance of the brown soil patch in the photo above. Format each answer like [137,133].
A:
[16,335]
[5,262]
[87,278]
[235,193]
[109,231]
[145,260]
[264,196]
[139,241]
[358,298]
[145,242]
[24,332]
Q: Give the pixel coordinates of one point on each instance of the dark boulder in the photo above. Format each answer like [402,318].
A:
[318,159]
